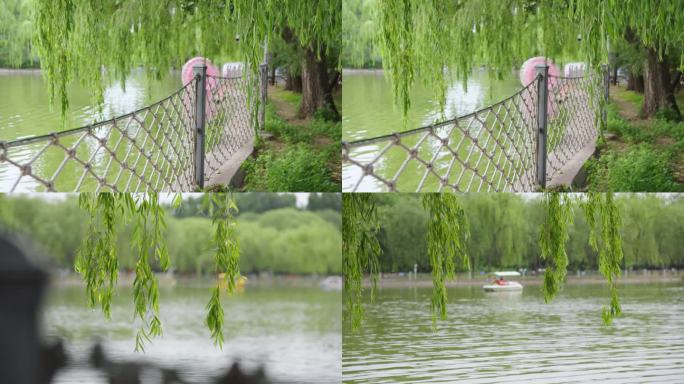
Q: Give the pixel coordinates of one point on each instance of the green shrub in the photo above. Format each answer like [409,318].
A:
[668,114]
[279,127]
[624,129]
[326,113]
[640,169]
[299,168]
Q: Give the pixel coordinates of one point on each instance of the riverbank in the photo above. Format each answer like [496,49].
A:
[20,71]
[296,154]
[639,154]
[357,71]
[68,279]
[425,280]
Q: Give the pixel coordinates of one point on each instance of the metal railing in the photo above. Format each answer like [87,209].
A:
[517,144]
[171,145]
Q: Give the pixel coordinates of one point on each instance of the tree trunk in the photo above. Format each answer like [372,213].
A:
[273,75]
[293,83]
[639,84]
[615,74]
[316,85]
[314,78]
[658,90]
[631,82]
[635,83]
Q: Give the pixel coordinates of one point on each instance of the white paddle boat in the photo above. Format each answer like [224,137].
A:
[501,284]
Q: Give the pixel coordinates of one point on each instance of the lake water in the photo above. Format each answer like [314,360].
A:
[25,111]
[495,338]
[370,111]
[294,333]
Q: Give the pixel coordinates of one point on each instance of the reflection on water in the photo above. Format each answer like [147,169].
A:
[295,333]
[369,109]
[491,338]
[25,109]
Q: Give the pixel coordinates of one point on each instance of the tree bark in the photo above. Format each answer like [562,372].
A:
[635,83]
[631,80]
[293,83]
[658,90]
[316,87]
[639,84]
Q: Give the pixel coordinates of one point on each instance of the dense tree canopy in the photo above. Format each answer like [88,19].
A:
[504,233]
[59,228]
[16,33]
[418,40]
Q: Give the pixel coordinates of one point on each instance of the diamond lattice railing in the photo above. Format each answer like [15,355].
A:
[149,150]
[229,121]
[573,121]
[492,149]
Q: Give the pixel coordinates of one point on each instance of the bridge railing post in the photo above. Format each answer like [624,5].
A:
[263,94]
[605,71]
[542,119]
[200,72]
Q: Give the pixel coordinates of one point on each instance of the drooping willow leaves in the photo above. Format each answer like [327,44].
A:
[609,247]
[97,259]
[447,235]
[360,250]
[148,239]
[429,40]
[553,235]
[222,209]
[75,39]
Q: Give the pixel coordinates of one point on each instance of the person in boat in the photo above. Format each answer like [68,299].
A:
[500,281]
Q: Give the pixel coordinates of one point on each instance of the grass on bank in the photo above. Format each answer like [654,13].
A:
[302,155]
[641,155]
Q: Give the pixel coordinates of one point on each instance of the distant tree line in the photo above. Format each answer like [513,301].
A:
[259,202]
[16,33]
[504,232]
[274,235]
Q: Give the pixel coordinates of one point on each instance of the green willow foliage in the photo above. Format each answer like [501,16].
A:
[97,259]
[610,246]
[447,234]
[222,209]
[553,235]
[360,249]
[149,241]
[77,38]
[419,39]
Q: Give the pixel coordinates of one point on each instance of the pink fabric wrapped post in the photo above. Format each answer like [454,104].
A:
[213,90]
[528,73]
[187,74]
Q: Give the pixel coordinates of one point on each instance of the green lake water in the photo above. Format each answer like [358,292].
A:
[294,333]
[517,338]
[25,111]
[369,111]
